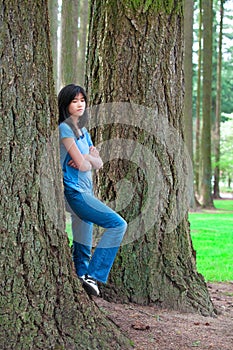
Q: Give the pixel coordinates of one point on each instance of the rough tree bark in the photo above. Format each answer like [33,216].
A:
[135,79]
[43,306]
[53,16]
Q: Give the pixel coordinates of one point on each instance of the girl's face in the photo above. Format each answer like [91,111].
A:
[77,106]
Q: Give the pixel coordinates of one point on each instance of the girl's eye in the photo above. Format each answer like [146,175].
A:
[81,100]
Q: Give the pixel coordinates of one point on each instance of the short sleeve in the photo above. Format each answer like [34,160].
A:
[65,131]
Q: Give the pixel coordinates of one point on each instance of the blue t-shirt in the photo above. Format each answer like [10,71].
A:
[78,180]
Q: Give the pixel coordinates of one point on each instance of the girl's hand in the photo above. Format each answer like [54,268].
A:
[94,158]
[94,152]
[72,164]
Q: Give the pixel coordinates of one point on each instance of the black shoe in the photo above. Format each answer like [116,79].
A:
[90,285]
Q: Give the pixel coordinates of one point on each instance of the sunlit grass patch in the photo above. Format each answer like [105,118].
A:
[212,236]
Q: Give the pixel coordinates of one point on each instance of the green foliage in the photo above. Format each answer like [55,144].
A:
[212,238]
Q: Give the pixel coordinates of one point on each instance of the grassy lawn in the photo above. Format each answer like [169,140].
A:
[212,236]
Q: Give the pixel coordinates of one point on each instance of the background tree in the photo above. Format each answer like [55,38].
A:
[226,147]
[69,39]
[227,73]
[206,170]
[215,11]
[43,305]
[188,74]
[218,108]
[198,103]
[135,78]
[82,41]
[226,85]
[188,78]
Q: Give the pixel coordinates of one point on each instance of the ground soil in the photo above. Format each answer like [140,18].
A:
[151,328]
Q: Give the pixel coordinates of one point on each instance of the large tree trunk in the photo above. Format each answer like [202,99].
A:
[53,16]
[205,158]
[43,306]
[135,78]
[218,109]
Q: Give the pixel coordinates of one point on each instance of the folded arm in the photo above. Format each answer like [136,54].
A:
[79,161]
[82,162]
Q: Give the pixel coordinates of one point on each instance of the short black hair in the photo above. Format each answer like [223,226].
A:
[65,97]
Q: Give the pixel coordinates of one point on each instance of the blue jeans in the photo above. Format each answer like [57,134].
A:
[86,210]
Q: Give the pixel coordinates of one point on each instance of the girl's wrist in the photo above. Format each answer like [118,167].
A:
[87,157]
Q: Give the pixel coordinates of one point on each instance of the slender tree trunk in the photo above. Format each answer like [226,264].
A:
[229,181]
[43,305]
[214,67]
[53,15]
[198,105]
[135,79]
[82,38]
[188,75]
[218,109]
[206,171]
[69,39]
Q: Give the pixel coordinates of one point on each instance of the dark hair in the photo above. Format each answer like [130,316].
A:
[65,97]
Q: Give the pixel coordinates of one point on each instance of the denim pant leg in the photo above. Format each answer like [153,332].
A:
[81,258]
[82,242]
[91,209]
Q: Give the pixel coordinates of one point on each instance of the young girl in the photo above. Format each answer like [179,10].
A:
[78,158]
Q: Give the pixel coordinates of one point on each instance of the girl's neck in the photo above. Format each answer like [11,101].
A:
[73,123]
[79,131]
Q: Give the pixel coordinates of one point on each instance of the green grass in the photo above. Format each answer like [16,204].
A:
[212,236]
[69,231]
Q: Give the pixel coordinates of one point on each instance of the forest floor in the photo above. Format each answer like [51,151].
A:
[151,328]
